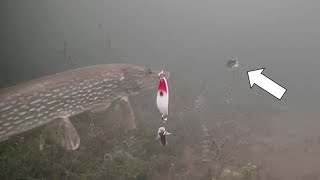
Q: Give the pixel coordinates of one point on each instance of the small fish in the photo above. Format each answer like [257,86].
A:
[162,133]
[163,97]
[232,63]
[60,96]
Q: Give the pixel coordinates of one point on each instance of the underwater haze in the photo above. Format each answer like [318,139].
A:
[221,128]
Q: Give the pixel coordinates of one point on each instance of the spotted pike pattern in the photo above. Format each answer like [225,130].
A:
[69,93]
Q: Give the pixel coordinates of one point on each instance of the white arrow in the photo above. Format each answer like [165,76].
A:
[256,77]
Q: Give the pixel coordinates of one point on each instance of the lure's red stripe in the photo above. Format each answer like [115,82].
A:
[162,85]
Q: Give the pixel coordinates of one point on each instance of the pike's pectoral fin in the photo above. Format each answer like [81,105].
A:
[61,132]
[130,122]
[69,136]
[42,141]
[157,138]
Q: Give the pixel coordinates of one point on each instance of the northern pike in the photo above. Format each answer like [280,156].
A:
[66,94]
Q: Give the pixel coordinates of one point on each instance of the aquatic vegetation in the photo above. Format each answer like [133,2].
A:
[244,173]
[109,150]
[218,152]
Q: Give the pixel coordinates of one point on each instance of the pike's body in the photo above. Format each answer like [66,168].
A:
[62,95]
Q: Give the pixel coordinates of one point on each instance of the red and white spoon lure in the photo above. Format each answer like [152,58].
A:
[163,96]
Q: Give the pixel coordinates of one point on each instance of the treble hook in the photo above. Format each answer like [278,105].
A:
[161,74]
[164,118]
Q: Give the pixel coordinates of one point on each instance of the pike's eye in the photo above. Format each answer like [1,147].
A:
[148,71]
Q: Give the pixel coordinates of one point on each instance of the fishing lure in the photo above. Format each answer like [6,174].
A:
[163,96]
[162,133]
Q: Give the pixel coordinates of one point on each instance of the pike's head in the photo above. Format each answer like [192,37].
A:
[137,79]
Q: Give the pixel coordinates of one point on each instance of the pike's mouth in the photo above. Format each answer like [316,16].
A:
[162,73]
[152,79]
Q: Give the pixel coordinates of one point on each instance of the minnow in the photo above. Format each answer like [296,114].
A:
[66,94]
[232,63]
[162,133]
